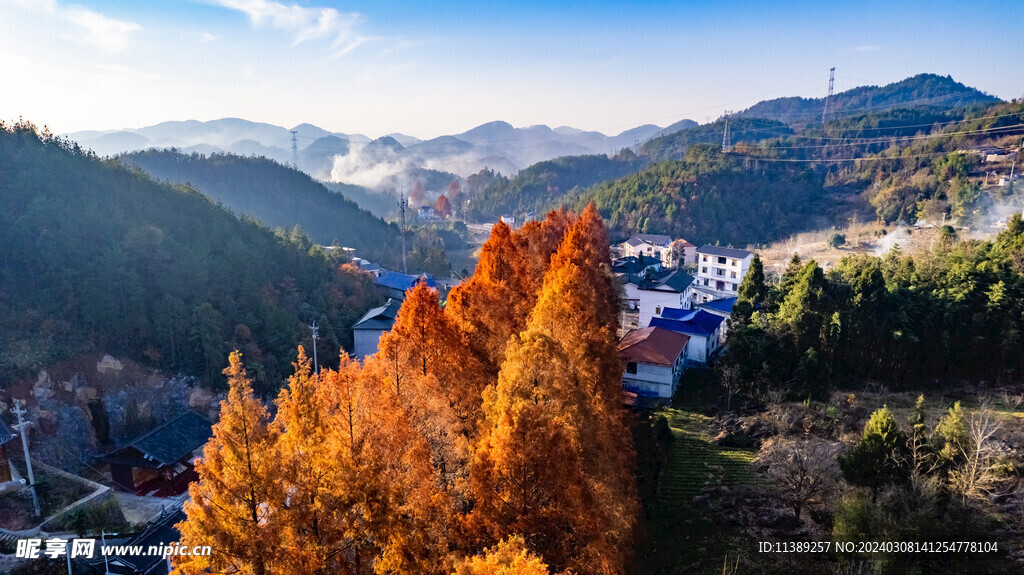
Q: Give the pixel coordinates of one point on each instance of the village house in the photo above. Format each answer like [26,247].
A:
[721,308]
[649,295]
[394,284]
[719,273]
[160,462]
[426,213]
[368,330]
[653,362]
[652,246]
[706,331]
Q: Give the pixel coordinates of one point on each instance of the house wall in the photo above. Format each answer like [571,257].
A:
[650,301]
[366,341]
[710,271]
[655,378]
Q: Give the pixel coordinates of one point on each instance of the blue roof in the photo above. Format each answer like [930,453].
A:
[722,305]
[402,281]
[700,323]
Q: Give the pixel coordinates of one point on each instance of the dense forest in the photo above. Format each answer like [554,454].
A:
[98,256]
[484,437]
[922,89]
[538,187]
[710,197]
[955,313]
[282,197]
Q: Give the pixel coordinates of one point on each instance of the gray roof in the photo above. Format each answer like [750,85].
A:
[726,252]
[656,239]
[168,443]
[382,317]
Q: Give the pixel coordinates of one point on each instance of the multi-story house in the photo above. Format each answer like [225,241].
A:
[719,273]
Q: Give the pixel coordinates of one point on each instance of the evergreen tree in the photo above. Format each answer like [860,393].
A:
[881,457]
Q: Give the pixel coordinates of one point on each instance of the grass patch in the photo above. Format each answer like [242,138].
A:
[682,536]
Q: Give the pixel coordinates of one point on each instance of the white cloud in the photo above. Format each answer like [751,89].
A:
[207,37]
[88,27]
[867,48]
[305,24]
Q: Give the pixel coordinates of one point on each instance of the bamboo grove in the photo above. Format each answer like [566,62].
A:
[485,436]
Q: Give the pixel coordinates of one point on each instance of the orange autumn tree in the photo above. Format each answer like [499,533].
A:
[554,461]
[506,558]
[232,505]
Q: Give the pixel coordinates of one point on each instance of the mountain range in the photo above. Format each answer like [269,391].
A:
[390,160]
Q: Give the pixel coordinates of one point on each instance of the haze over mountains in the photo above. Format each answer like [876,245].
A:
[357,159]
[397,160]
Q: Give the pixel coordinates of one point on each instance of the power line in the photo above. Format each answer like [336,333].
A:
[831,84]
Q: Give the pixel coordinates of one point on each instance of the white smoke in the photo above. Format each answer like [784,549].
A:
[369,170]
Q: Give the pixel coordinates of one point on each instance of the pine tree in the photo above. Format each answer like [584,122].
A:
[881,457]
[232,506]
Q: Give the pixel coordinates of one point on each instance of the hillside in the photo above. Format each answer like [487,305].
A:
[545,184]
[278,196]
[920,90]
[97,256]
[710,197]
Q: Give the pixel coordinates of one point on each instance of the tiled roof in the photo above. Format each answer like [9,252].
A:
[400,281]
[382,317]
[698,322]
[720,305]
[652,345]
[655,239]
[169,442]
[725,252]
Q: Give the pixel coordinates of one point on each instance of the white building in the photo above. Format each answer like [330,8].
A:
[706,331]
[650,296]
[652,246]
[719,273]
[654,359]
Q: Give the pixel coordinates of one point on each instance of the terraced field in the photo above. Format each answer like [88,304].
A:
[696,464]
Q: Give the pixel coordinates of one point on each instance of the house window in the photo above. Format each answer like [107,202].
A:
[705,281]
[733,262]
[704,270]
[705,258]
[631,367]
[732,274]
[733,288]
[657,310]
[721,260]
[720,272]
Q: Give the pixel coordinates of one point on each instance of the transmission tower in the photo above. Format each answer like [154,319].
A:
[295,148]
[726,143]
[401,210]
[831,83]
[315,328]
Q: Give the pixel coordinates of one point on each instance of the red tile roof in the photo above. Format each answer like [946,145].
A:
[652,345]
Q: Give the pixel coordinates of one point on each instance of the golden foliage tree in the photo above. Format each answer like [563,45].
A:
[508,557]
[232,506]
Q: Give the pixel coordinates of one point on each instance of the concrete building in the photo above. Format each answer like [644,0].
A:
[648,296]
[719,273]
[706,331]
[367,331]
[653,361]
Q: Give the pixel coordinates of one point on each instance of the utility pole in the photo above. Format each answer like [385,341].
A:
[401,210]
[831,83]
[295,149]
[22,428]
[316,366]
[726,144]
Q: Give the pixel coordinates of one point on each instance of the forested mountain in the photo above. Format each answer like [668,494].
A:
[710,197]
[674,145]
[919,90]
[542,185]
[278,196]
[98,256]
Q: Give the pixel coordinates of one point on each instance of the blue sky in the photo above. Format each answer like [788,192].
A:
[431,68]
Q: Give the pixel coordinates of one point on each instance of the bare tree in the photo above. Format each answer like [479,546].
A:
[802,471]
[975,475]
